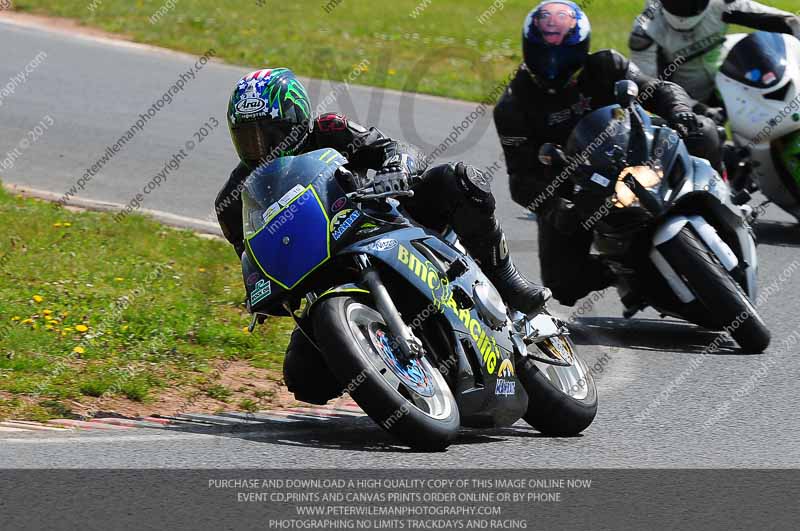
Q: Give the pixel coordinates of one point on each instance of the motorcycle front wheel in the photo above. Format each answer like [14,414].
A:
[411,401]
[721,296]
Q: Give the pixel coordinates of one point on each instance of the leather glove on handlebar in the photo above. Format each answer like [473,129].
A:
[395,176]
[717,114]
[391,179]
[685,123]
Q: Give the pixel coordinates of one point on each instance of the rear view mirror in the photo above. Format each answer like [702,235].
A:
[552,155]
[626,92]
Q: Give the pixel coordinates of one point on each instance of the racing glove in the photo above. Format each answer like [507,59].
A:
[395,176]
[717,114]
[685,123]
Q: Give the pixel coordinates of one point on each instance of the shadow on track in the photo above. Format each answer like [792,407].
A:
[652,335]
[778,233]
[343,433]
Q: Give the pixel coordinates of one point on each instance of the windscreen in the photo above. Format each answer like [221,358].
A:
[600,142]
[274,185]
[759,60]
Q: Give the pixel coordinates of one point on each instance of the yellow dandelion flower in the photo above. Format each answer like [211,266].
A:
[202,269]
[38,298]
[81,328]
[67,224]
[48,326]
[79,350]
[67,329]
[392,71]
[246,329]
[119,279]
[57,225]
[27,321]
[47,312]
[15,318]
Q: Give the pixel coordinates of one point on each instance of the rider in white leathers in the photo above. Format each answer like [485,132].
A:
[681,41]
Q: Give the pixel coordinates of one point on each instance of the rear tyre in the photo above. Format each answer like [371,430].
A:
[562,401]
[413,403]
[722,297]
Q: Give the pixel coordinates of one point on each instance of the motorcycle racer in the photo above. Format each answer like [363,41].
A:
[269,116]
[557,84]
[689,35]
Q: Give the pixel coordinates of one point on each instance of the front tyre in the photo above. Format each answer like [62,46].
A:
[562,401]
[721,296]
[412,402]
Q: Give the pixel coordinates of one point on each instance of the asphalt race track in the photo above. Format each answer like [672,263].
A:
[732,410]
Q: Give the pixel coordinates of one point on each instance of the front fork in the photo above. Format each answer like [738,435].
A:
[410,346]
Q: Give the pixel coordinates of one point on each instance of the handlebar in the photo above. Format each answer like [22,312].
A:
[368,194]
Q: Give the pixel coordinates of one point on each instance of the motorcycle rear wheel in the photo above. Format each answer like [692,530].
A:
[562,401]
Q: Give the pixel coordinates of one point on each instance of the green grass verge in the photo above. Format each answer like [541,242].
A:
[429,46]
[90,307]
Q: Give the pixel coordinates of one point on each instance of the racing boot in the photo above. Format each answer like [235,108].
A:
[491,252]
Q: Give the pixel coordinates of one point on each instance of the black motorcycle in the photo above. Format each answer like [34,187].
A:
[662,220]
[401,319]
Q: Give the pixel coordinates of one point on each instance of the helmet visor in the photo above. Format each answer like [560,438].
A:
[556,64]
[263,141]
[685,8]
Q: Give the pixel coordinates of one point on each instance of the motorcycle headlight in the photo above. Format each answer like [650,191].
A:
[648,177]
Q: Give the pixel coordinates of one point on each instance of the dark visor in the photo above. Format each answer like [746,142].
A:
[267,140]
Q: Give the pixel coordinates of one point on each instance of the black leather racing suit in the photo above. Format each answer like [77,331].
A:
[528,116]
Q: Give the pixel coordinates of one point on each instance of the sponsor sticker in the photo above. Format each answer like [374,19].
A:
[368,228]
[384,244]
[506,369]
[252,279]
[505,387]
[342,221]
[251,105]
[291,194]
[754,75]
[438,283]
[262,290]
[599,179]
[271,212]
[338,204]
